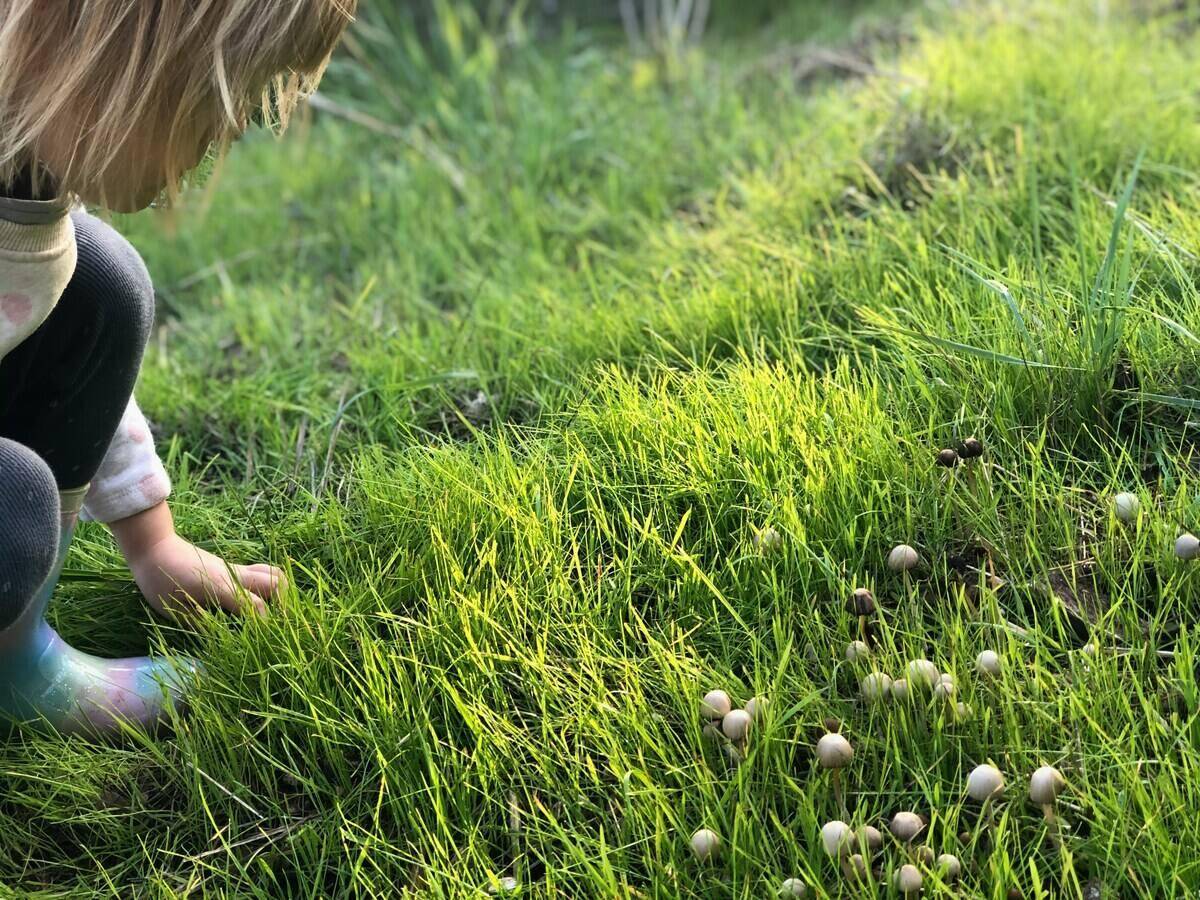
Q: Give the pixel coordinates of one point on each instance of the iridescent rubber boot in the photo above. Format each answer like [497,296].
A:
[44,679]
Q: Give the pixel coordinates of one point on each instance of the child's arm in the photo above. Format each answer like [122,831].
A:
[175,575]
[129,495]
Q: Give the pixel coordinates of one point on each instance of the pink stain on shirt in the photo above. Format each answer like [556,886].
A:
[152,487]
[17,308]
[137,434]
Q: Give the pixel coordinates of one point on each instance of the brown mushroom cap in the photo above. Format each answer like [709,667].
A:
[861,603]
[947,458]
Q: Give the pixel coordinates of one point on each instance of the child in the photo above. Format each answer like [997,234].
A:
[110,103]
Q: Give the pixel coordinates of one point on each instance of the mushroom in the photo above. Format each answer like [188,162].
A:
[944,690]
[984,783]
[869,839]
[834,752]
[715,705]
[908,880]
[876,686]
[857,651]
[767,540]
[924,856]
[505,885]
[923,673]
[900,690]
[1187,547]
[756,707]
[972,448]
[1127,506]
[855,868]
[947,458]
[736,725]
[705,844]
[861,604]
[949,866]
[905,826]
[903,558]
[712,731]
[793,887]
[963,711]
[987,664]
[1044,787]
[836,836]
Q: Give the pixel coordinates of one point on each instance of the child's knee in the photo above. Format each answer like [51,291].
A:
[112,277]
[29,527]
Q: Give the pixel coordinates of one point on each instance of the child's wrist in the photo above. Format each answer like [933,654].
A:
[139,534]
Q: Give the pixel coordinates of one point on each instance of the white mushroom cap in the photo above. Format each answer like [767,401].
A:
[834,751]
[835,837]
[950,866]
[903,558]
[943,690]
[908,879]
[947,678]
[1045,785]
[876,686]
[987,663]
[736,724]
[857,650]
[756,706]
[768,539]
[1187,547]
[505,885]
[923,673]
[715,705]
[924,856]
[1126,506]
[793,887]
[906,826]
[963,711]
[900,690]
[870,836]
[705,844]
[712,731]
[984,782]
[857,867]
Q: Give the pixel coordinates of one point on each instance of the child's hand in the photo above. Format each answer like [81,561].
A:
[178,577]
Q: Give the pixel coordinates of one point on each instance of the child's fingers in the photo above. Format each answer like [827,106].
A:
[242,600]
[262,579]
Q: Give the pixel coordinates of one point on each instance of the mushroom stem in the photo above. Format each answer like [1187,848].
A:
[1053,824]
[837,793]
[862,629]
[986,820]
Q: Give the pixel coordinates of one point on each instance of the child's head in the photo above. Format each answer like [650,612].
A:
[117,99]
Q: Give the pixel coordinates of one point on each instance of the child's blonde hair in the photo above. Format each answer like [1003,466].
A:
[101,71]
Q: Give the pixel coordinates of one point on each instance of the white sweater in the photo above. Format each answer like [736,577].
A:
[37,260]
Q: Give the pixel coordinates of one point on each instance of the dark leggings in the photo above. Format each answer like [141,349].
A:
[63,392]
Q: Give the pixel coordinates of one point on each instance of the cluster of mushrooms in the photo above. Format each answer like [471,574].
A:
[858,851]
[723,723]
[1127,507]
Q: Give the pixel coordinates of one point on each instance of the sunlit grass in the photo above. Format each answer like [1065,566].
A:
[511,398]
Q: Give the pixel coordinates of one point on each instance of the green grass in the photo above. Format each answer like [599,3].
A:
[701,296]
